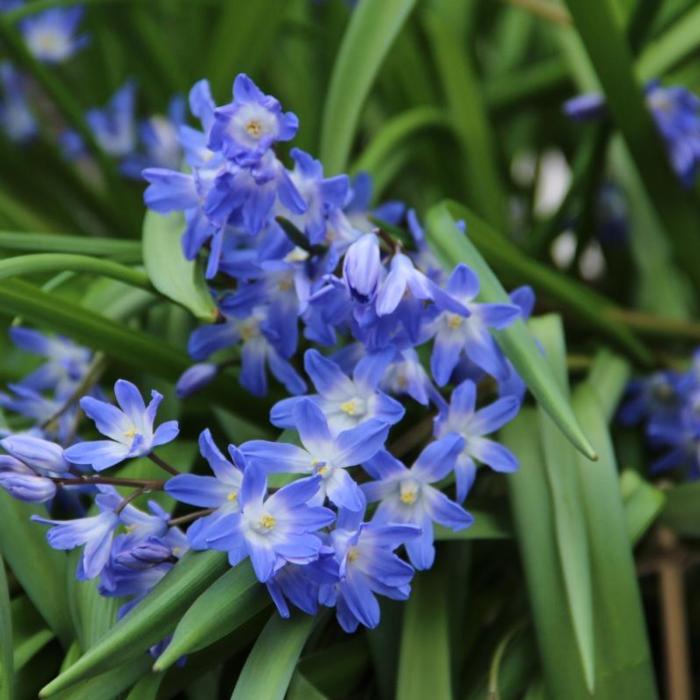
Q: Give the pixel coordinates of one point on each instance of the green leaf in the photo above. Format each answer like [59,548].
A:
[126,251]
[424,661]
[38,568]
[29,632]
[149,621]
[147,688]
[470,122]
[533,516]
[570,533]
[516,341]
[507,259]
[393,132]
[302,689]
[371,32]
[242,39]
[268,669]
[172,274]
[681,512]
[223,607]
[643,503]
[623,661]
[110,684]
[609,54]
[7,664]
[492,523]
[608,377]
[57,262]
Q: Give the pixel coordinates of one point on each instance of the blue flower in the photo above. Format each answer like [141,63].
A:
[258,349]
[345,402]
[367,566]
[322,453]
[23,482]
[94,534]
[299,585]
[41,455]
[273,531]
[406,375]
[407,496]
[114,126]
[462,419]
[195,378]
[320,195]
[585,107]
[16,117]
[245,129]
[362,268]
[130,430]
[455,333]
[67,363]
[220,492]
[51,35]
[404,279]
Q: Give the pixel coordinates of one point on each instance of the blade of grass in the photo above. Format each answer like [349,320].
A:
[7,665]
[126,251]
[372,30]
[466,106]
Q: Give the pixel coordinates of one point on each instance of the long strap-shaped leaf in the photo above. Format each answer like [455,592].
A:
[562,474]
[605,42]
[7,669]
[372,30]
[516,341]
[268,669]
[147,623]
[37,263]
[126,251]
[424,661]
[228,603]
[40,569]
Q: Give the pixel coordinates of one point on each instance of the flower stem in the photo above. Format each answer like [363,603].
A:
[128,499]
[184,519]
[162,464]
[145,484]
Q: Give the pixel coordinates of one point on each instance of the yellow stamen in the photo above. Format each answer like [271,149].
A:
[232,496]
[254,128]
[267,522]
[130,433]
[353,554]
[454,321]
[349,407]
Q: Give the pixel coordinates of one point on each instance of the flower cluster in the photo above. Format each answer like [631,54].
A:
[676,112]
[668,403]
[331,516]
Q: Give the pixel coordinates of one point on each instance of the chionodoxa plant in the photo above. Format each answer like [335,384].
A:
[361,366]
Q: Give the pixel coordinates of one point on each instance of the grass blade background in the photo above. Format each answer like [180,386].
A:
[373,28]
[517,342]
[268,669]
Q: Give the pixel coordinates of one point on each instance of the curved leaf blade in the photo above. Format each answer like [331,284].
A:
[170,272]
[268,669]
[516,341]
[149,621]
[229,602]
[372,30]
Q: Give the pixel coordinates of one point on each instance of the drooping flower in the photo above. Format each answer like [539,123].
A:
[345,402]
[23,482]
[51,36]
[362,268]
[16,116]
[41,455]
[462,418]
[322,453]
[272,531]
[114,126]
[129,428]
[220,492]
[406,495]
